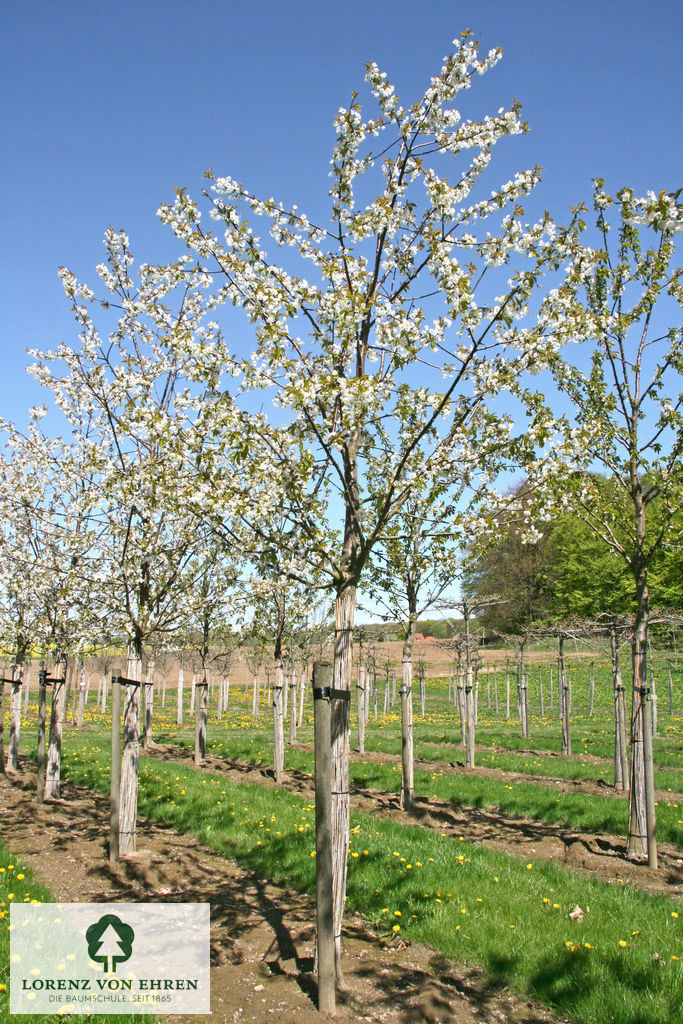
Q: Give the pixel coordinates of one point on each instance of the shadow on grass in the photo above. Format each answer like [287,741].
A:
[574,984]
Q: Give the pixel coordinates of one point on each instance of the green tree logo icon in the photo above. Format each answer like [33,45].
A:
[110,941]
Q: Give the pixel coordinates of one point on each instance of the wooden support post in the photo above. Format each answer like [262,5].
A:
[649,779]
[322,680]
[42,700]
[115,774]
[201,690]
[2,727]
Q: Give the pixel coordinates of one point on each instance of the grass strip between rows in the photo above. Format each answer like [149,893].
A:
[606,815]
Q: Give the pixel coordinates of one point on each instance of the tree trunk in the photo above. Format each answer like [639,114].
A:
[179,697]
[76,694]
[569,695]
[507,692]
[360,707]
[302,698]
[476,696]
[149,706]
[131,754]
[81,697]
[15,718]
[278,722]
[671,690]
[462,704]
[653,687]
[563,699]
[495,687]
[540,690]
[292,706]
[407,754]
[104,693]
[285,694]
[620,756]
[201,715]
[67,696]
[592,690]
[255,694]
[345,608]
[40,774]
[2,725]
[193,688]
[642,823]
[523,696]
[469,702]
[54,749]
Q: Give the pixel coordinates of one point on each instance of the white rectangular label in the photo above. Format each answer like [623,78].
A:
[109,958]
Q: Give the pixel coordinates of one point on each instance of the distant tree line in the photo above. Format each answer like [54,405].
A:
[566,572]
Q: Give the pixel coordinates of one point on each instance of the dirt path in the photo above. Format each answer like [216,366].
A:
[581,851]
[262,935]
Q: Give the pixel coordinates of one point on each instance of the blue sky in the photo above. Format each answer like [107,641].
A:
[108,106]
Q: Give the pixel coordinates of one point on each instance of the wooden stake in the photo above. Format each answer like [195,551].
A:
[115,774]
[42,700]
[322,681]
